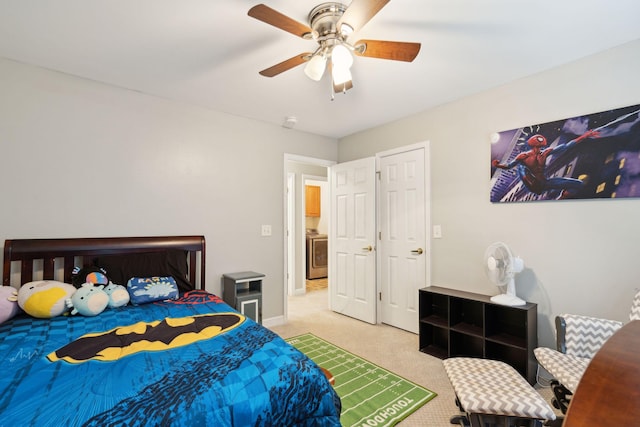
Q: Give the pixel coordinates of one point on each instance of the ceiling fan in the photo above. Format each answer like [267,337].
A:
[330,25]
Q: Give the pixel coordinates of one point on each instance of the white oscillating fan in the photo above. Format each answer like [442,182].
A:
[501,265]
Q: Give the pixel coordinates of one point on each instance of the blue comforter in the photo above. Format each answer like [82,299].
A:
[190,362]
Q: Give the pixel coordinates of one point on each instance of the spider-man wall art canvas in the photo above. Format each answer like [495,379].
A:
[585,157]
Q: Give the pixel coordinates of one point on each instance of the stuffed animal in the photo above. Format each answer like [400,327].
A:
[88,300]
[90,274]
[8,303]
[118,295]
[143,290]
[44,298]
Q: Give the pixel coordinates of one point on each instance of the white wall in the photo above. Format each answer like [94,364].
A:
[580,256]
[83,159]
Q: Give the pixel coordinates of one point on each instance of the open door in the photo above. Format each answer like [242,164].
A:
[403,239]
[352,260]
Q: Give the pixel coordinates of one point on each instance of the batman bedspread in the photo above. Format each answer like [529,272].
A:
[189,362]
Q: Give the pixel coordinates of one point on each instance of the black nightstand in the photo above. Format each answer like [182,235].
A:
[243,291]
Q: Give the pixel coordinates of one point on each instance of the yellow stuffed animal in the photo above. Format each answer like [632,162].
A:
[45,298]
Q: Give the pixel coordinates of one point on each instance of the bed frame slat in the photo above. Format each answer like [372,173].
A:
[26,270]
[48,268]
[68,267]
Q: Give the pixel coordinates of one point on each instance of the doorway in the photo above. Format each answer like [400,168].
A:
[316,226]
[400,261]
[299,172]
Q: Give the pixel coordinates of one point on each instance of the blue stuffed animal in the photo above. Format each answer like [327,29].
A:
[88,300]
[118,295]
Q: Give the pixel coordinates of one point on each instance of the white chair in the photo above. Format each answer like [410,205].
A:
[578,340]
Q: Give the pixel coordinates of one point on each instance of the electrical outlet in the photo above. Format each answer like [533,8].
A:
[266,230]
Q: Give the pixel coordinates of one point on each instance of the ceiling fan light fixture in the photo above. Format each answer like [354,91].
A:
[346,30]
[341,57]
[341,62]
[315,67]
[340,75]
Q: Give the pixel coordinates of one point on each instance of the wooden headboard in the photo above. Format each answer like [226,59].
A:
[54,259]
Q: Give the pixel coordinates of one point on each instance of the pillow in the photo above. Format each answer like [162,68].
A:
[121,268]
[143,290]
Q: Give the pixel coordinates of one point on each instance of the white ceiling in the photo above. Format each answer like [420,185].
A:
[209,52]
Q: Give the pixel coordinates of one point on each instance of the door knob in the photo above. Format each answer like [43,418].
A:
[417,251]
[368,248]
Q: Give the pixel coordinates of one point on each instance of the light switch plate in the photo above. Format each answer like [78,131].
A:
[266,230]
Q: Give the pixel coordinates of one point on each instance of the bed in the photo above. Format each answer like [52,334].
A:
[118,368]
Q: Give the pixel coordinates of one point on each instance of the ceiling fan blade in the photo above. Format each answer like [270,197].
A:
[360,12]
[286,65]
[397,51]
[270,16]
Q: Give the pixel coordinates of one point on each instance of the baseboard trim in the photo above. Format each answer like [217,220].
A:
[273,321]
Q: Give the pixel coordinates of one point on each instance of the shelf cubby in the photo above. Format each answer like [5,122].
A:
[464,345]
[466,316]
[434,340]
[514,356]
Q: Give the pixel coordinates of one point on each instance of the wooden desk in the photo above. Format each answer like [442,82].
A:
[609,392]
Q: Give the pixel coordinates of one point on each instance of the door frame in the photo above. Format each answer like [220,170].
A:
[290,231]
[425,145]
[291,257]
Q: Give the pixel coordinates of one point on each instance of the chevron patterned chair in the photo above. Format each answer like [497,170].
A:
[490,392]
[578,340]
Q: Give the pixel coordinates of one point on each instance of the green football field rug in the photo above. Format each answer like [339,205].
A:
[371,395]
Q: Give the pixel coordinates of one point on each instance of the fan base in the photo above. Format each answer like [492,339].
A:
[510,300]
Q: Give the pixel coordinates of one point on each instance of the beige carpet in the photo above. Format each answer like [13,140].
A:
[389,347]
